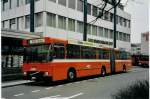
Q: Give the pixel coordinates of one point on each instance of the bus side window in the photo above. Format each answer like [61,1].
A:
[73,51]
[59,51]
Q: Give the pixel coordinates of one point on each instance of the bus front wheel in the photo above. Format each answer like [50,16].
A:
[71,76]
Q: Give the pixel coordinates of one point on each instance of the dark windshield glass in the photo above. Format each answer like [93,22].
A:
[37,53]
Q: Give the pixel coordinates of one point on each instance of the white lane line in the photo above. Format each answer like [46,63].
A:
[3,98]
[48,88]
[59,86]
[75,95]
[19,94]
[55,96]
[35,91]
[51,97]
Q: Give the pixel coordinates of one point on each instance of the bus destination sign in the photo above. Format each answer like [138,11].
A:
[36,41]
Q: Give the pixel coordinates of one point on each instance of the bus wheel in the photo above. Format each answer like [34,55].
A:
[103,71]
[71,76]
[124,69]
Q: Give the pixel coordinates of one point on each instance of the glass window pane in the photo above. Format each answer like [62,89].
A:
[71,24]
[80,5]
[80,27]
[94,30]
[53,0]
[62,2]
[38,19]
[88,29]
[94,11]
[100,31]
[89,9]
[27,21]
[72,3]
[106,32]
[61,22]
[51,20]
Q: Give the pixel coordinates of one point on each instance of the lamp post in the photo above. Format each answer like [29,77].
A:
[31,15]
[85,21]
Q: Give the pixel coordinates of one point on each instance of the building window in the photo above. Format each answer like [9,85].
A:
[89,29]
[27,21]
[71,24]
[61,22]
[111,17]
[72,4]
[27,1]
[5,5]
[105,32]
[128,37]
[13,3]
[117,35]
[124,22]
[117,17]
[100,32]
[94,10]
[53,0]
[124,37]
[51,20]
[20,23]
[80,27]
[80,5]
[94,30]
[120,36]
[38,19]
[6,24]
[89,9]
[62,2]
[129,24]
[106,15]
[12,23]
[121,20]
[112,34]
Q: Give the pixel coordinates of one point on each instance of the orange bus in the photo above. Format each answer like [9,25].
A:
[52,59]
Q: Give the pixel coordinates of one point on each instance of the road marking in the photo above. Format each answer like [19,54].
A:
[35,90]
[55,96]
[3,98]
[51,97]
[58,96]
[75,95]
[49,88]
[19,94]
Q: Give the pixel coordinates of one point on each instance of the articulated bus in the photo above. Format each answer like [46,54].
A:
[52,59]
[140,60]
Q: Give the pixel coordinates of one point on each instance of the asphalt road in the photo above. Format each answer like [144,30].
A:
[87,88]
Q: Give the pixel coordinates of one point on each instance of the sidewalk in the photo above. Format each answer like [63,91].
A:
[14,83]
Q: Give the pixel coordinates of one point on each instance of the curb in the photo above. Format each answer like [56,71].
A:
[15,83]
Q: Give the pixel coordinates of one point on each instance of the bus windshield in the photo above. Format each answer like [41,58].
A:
[40,53]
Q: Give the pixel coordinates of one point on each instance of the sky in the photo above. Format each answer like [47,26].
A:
[139,18]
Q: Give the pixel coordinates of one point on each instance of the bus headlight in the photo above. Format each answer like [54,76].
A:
[46,74]
[25,73]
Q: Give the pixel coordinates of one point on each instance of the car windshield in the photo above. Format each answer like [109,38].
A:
[37,53]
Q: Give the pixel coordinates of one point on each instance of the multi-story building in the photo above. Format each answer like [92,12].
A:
[64,19]
[145,43]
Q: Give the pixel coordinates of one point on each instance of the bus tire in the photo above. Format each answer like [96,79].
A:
[124,69]
[71,75]
[103,71]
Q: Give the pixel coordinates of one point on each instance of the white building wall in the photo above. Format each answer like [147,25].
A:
[145,43]
[45,6]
